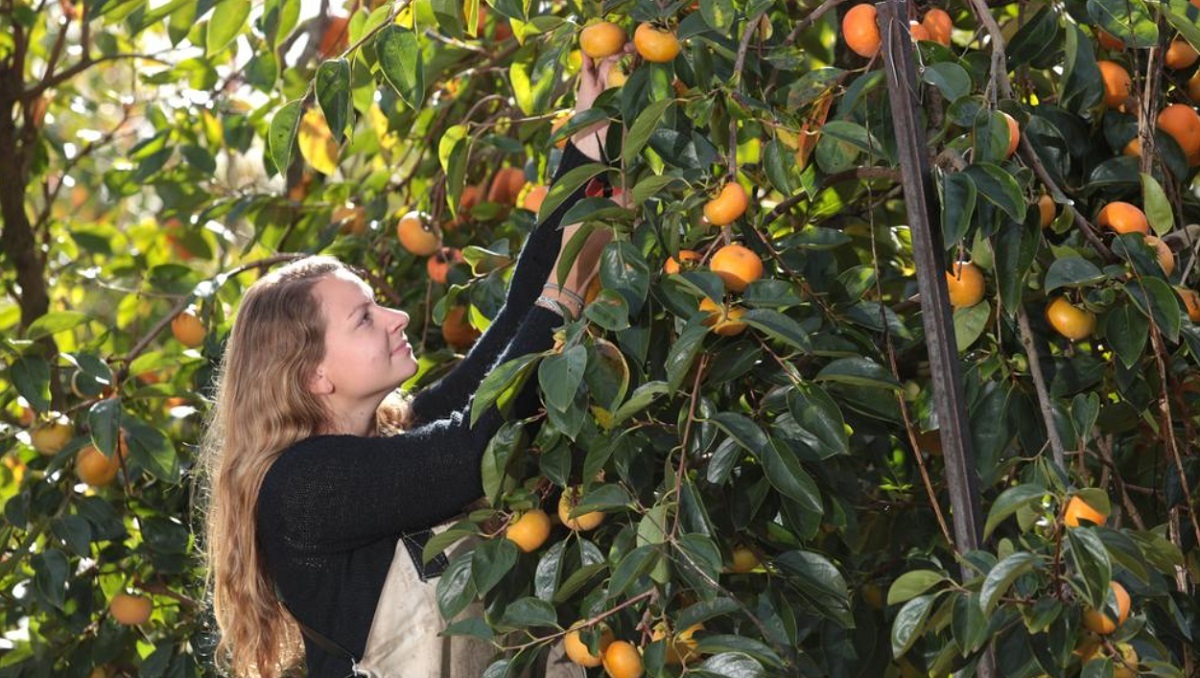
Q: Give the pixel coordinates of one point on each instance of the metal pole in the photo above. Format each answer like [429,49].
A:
[936,315]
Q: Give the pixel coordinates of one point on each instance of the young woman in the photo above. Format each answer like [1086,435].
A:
[324,484]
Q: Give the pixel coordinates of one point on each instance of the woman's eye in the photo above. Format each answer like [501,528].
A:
[366,319]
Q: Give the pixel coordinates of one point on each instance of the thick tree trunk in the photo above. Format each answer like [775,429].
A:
[17,241]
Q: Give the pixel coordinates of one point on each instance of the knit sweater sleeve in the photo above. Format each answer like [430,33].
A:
[534,266]
[335,493]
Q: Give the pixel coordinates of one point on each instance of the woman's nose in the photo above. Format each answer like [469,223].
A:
[399,318]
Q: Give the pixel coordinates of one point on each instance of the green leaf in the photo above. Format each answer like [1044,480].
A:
[718,14]
[228,19]
[603,498]
[705,610]
[609,310]
[1001,577]
[52,570]
[1127,330]
[819,580]
[1158,208]
[529,612]
[858,371]
[719,643]
[1156,298]
[281,138]
[951,79]
[403,67]
[153,451]
[970,323]
[31,376]
[567,184]
[1182,16]
[561,374]
[624,269]
[1072,272]
[497,382]
[968,625]
[910,622]
[778,326]
[642,397]
[1009,502]
[491,561]
[54,322]
[75,532]
[333,94]
[787,475]
[453,150]
[455,589]
[819,418]
[1127,20]
[912,584]
[641,129]
[1015,245]
[1091,561]
[634,565]
[958,204]
[651,187]
[742,429]
[728,664]
[683,353]
[104,420]
[549,568]
[999,187]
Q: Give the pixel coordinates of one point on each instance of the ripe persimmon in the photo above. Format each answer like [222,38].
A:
[1180,55]
[1193,87]
[1191,301]
[457,330]
[860,30]
[49,439]
[918,31]
[939,24]
[1078,509]
[1109,41]
[965,284]
[658,45]
[1166,258]
[336,37]
[188,329]
[1183,124]
[728,206]
[582,523]
[681,647]
[738,266]
[1117,83]
[1047,210]
[417,236]
[744,560]
[623,660]
[1014,135]
[534,198]
[724,320]
[95,469]
[130,609]
[577,650]
[1123,217]
[602,39]
[557,125]
[439,263]
[1072,322]
[506,185]
[1099,622]
[673,265]
[529,531]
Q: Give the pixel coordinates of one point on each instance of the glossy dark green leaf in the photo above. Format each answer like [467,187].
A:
[634,565]
[683,353]
[455,590]
[333,94]
[55,322]
[788,476]
[950,78]
[779,327]
[1015,245]
[910,623]
[31,376]
[968,625]
[858,371]
[153,451]
[490,561]
[561,374]
[529,612]
[819,419]
[498,381]
[912,584]
[1127,331]
[1072,272]
[729,665]
[970,323]
[104,421]
[1009,502]
[639,131]
[402,64]
[281,138]
[999,188]
[819,580]
[1127,20]
[51,571]
[641,398]
[1001,577]
[603,498]
[1156,298]
[958,204]
[1091,561]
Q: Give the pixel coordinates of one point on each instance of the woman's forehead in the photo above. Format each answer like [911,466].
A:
[343,287]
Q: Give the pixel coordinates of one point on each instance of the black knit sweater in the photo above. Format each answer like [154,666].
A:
[332,507]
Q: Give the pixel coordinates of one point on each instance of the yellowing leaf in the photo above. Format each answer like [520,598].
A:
[379,123]
[316,142]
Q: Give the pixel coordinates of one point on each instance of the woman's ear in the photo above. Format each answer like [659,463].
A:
[319,384]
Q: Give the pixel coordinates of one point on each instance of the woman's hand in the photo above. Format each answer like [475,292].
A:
[593,79]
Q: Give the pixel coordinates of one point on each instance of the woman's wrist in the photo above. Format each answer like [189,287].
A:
[560,301]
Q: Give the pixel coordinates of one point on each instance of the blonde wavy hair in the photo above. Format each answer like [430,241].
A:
[262,407]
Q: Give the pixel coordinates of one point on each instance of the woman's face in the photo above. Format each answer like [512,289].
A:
[366,353]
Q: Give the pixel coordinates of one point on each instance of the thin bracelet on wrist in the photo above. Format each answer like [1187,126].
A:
[570,294]
[556,306]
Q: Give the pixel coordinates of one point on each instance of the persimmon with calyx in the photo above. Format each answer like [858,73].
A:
[860,30]
[724,321]
[918,31]
[439,263]
[577,650]
[529,531]
[1077,510]
[1109,41]
[1182,123]
[737,266]
[965,284]
[1070,321]
[623,660]
[675,265]
[581,523]
[1117,83]
[1125,661]
[1193,87]
[1123,217]
[188,329]
[655,44]
[602,39]
[417,236]
[681,647]
[1047,210]
[1180,55]
[939,24]
[1097,621]
[95,469]
[129,609]
[744,560]
[457,329]
[506,186]
[49,438]
[728,206]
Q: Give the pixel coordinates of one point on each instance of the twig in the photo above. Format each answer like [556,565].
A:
[1169,425]
[735,80]
[687,431]
[1105,446]
[1039,386]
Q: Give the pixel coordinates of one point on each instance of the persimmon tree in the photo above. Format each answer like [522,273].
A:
[738,469]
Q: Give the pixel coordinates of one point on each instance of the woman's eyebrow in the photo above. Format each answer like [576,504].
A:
[358,309]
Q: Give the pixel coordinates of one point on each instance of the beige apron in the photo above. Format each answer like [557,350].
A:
[404,643]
